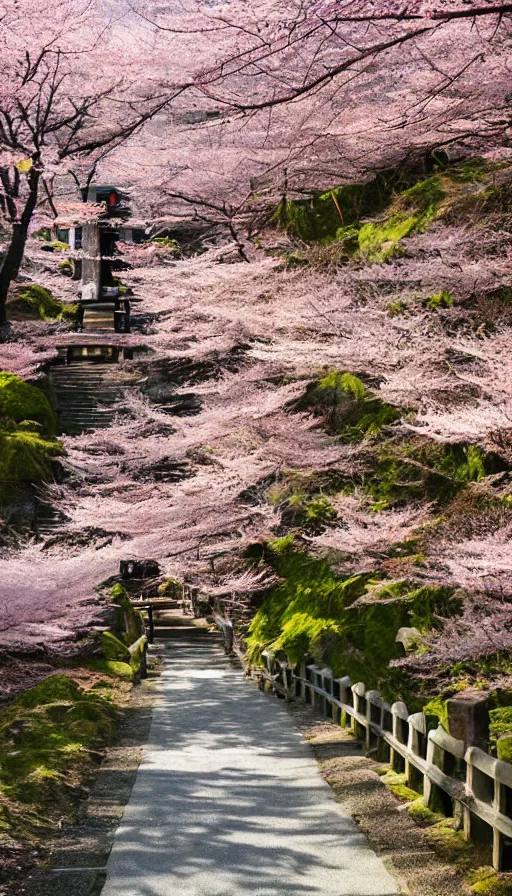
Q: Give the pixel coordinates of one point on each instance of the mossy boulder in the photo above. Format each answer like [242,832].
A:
[489,883]
[423,816]
[112,668]
[138,658]
[37,302]
[397,784]
[20,401]
[170,588]
[26,457]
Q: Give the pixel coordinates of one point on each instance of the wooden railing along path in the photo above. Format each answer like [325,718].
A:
[435,763]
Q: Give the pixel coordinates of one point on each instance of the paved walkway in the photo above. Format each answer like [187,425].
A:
[228,800]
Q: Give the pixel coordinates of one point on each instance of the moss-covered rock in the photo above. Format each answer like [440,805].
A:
[397,783]
[485,882]
[26,457]
[113,648]
[20,401]
[424,817]
[112,668]
[66,267]
[129,623]
[138,658]
[170,588]
[38,302]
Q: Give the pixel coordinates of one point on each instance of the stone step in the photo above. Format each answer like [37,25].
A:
[49,520]
[87,402]
[90,394]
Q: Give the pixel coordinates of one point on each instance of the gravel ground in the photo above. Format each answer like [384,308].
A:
[79,853]
[379,814]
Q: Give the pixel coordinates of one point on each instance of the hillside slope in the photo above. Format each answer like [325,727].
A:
[351,396]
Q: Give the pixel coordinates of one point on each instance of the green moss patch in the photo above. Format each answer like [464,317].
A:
[452,845]
[349,624]
[333,214]
[397,784]
[27,424]
[380,241]
[436,711]
[113,648]
[486,882]
[26,457]
[369,221]
[66,267]
[412,468]
[170,588]
[423,817]
[443,299]
[21,401]
[397,308]
[500,730]
[38,302]
[112,668]
[49,739]
[128,624]
[301,503]
[348,409]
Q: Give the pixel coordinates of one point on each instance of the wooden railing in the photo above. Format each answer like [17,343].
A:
[468,781]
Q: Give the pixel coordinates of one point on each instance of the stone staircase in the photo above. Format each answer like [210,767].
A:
[183,631]
[48,520]
[89,395]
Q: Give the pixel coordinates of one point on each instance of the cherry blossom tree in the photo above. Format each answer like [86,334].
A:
[72,87]
[329,91]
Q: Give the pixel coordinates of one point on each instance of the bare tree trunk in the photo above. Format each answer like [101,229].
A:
[11,266]
[14,256]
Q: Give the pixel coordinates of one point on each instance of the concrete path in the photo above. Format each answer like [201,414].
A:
[228,800]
